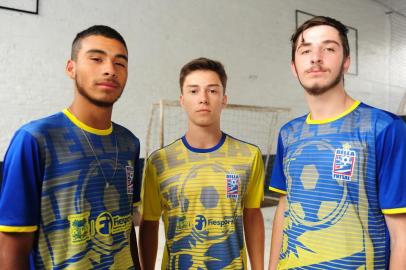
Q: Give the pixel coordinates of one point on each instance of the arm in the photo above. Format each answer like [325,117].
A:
[277,234]
[397,231]
[148,243]
[134,248]
[254,236]
[15,249]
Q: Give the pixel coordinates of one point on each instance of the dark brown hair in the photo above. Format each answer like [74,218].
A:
[321,20]
[203,64]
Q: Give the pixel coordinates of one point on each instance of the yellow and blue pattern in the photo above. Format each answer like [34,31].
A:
[53,186]
[340,177]
[201,194]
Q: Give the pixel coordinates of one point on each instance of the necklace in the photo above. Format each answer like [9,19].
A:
[97,159]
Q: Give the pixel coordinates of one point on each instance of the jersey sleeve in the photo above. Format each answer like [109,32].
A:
[255,190]
[151,205]
[21,187]
[277,181]
[391,167]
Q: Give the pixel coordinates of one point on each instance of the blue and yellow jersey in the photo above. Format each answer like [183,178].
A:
[53,185]
[340,176]
[201,194]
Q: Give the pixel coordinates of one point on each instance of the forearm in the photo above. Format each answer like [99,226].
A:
[14,250]
[398,256]
[254,237]
[148,243]
[277,234]
[134,248]
[397,230]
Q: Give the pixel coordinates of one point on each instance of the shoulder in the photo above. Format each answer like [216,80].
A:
[294,124]
[41,127]
[232,140]
[124,132]
[166,150]
[378,119]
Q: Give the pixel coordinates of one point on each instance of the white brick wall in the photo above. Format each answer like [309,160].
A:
[250,37]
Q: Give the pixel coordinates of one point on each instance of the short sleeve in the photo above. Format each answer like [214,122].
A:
[21,187]
[255,190]
[277,181]
[391,167]
[151,205]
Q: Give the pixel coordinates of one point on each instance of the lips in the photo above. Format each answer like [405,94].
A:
[108,84]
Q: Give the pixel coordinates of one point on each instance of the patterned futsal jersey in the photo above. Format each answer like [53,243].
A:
[340,176]
[202,193]
[74,186]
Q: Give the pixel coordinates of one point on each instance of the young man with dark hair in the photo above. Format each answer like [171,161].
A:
[70,183]
[207,185]
[340,169]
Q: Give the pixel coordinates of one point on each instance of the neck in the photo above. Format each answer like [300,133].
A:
[91,115]
[203,137]
[330,104]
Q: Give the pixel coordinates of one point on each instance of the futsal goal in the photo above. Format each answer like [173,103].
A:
[258,125]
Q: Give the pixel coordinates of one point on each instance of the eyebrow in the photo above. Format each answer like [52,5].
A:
[210,85]
[122,56]
[328,41]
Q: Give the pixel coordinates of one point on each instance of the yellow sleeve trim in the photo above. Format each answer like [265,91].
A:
[278,190]
[136,204]
[150,218]
[18,228]
[394,211]
[83,126]
[328,120]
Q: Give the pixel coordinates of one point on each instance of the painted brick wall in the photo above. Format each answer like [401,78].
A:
[250,37]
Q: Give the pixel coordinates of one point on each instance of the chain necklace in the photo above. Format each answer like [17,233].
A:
[97,159]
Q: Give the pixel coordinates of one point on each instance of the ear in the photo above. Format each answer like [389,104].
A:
[293,68]
[71,69]
[346,64]
[181,100]
[225,99]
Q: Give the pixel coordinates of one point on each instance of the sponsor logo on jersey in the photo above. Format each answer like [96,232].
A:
[233,185]
[129,172]
[344,160]
[200,222]
[105,224]
[79,228]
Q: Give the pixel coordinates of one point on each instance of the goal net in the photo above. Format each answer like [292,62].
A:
[254,124]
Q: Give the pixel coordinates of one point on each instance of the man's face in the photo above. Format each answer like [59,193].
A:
[319,59]
[100,70]
[203,98]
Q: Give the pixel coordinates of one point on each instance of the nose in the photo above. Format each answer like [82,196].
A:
[316,57]
[204,97]
[109,69]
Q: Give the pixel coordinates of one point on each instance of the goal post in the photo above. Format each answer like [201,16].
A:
[258,125]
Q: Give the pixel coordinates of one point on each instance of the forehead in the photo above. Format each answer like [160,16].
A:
[202,77]
[318,34]
[97,42]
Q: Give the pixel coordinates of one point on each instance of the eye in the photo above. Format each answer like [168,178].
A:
[212,91]
[193,91]
[329,49]
[121,64]
[305,52]
[96,59]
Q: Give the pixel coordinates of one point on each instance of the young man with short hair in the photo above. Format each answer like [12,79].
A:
[340,169]
[207,185]
[69,184]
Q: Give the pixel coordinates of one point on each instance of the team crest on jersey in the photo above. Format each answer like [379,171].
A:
[233,185]
[79,228]
[344,160]
[129,172]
